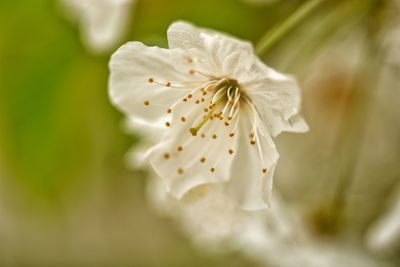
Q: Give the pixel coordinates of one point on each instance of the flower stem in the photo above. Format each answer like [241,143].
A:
[276,33]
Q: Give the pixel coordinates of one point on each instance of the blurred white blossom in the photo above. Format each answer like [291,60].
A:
[102,22]
[383,235]
[219,106]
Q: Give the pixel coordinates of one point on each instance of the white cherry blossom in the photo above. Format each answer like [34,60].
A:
[102,22]
[219,106]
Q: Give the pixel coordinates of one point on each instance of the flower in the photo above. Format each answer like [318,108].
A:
[219,106]
[102,22]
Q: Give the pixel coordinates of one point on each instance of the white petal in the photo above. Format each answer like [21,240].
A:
[184,35]
[296,124]
[150,131]
[184,169]
[250,184]
[277,99]
[140,74]
[228,56]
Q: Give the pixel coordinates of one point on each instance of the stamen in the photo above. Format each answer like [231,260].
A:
[229,102]
[179,148]
[254,119]
[235,105]
[212,169]
[264,170]
[146,102]
[183,119]
[202,160]
[230,151]
[168,84]
[167,123]
[166,156]
[180,170]
[191,72]
[151,80]
[214,136]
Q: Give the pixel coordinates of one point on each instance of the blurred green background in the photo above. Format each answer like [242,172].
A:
[66,196]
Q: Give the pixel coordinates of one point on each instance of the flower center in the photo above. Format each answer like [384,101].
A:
[224,103]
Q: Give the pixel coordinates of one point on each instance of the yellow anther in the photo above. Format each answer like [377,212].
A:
[193,131]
